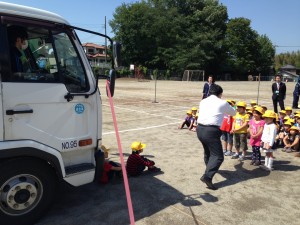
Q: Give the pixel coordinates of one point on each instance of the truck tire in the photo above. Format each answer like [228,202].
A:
[27,188]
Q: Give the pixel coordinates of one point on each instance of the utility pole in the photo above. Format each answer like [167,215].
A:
[105,41]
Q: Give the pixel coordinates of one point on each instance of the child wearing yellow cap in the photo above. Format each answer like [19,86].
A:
[188,120]
[111,169]
[239,131]
[268,139]
[283,131]
[137,163]
[256,126]
[289,112]
[291,140]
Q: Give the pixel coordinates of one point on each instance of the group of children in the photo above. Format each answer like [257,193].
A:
[190,120]
[265,130]
[135,165]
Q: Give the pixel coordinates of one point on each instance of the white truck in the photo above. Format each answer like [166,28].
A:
[50,111]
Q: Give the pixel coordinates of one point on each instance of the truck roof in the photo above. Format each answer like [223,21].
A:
[25,11]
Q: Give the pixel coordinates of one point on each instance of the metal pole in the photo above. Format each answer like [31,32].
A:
[258,88]
[155,81]
[105,41]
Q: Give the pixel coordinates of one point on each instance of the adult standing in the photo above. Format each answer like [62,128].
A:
[209,121]
[279,92]
[296,94]
[207,85]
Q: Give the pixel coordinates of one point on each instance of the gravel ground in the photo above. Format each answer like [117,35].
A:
[246,195]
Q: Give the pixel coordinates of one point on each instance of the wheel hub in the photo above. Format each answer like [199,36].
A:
[20,194]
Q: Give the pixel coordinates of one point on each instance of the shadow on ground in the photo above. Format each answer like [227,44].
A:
[97,204]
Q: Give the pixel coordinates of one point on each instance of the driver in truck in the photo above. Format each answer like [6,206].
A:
[17,36]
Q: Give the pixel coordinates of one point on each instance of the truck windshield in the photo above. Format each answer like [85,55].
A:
[50,57]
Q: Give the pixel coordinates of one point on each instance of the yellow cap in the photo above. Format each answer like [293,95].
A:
[189,112]
[294,128]
[253,102]
[136,146]
[194,108]
[269,114]
[264,107]
[259,109]
[287,123]
[292,121]
[296,115]
[248,108]
[241,104]
[286,118]
[282,111]
[230,101]
[249,111]
[288,108]
[104,149]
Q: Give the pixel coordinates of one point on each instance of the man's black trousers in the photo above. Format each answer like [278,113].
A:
[210,136]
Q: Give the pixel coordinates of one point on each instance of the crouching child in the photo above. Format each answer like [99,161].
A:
[137,163]
[111,169]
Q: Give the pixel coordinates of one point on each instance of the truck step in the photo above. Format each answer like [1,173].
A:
[79,168]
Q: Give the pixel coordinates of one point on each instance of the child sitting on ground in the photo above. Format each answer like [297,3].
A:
[291,140]
[188,121]
[283,131]
[268,139]
[111,169]
[289,112]
[297,120]
[195,124]
[136,163]
[194,111]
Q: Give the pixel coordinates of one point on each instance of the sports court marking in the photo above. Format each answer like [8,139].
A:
[144,112]
[140,128]
[184,213]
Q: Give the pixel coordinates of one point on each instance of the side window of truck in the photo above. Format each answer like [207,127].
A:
[45,55]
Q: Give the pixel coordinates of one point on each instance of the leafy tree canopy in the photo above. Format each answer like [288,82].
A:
[188,34]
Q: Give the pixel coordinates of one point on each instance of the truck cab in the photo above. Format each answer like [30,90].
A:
[50,111]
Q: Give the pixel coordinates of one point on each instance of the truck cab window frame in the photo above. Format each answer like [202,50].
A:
[51,57]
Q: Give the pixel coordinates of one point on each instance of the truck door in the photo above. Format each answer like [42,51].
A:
[35,100]
[1,112]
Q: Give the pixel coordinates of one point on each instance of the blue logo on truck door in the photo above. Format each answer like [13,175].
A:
[79,108]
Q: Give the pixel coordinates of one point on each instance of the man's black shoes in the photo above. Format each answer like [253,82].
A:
[208,182]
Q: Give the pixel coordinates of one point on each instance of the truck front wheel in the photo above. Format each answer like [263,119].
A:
[27,189]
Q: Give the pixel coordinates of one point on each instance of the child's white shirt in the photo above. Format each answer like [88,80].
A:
[269,134]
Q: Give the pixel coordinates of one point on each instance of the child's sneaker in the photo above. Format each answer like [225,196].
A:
[228,153]
[235,156]
[154,169]
[288,150]
[257,163]
[241,158]
[252,162]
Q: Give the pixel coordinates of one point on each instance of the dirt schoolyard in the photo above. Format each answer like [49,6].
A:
[246,195]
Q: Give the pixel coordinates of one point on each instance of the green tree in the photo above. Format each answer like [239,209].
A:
[174,35]
[243,46]
[265,59]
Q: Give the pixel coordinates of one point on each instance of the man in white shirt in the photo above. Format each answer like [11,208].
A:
[211,114]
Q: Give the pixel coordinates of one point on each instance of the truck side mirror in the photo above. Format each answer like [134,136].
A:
[111,82]
[117,54]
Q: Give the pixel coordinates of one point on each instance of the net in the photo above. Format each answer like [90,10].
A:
[193,75]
